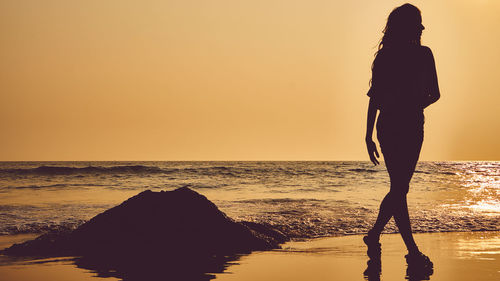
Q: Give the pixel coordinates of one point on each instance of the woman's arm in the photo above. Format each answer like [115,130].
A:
[370,122]
[433,87]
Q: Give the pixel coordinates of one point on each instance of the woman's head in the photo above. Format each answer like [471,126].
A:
[404,26]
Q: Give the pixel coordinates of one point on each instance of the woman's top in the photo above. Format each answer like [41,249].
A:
[404,80]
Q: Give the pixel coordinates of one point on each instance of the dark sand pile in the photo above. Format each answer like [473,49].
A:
[177,234]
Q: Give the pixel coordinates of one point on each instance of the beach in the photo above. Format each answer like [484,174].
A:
[228,140]
[323,206]
[456,255]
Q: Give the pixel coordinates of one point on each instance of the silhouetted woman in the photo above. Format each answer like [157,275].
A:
[404,82]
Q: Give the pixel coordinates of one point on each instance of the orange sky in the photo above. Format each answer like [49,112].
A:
[230,80]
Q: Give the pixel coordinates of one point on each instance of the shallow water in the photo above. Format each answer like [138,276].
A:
[304,199]
[456,257]
[344,258]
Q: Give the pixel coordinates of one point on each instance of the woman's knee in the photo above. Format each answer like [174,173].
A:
[399,190]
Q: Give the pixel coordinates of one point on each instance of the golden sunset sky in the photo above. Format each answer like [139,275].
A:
[231,79]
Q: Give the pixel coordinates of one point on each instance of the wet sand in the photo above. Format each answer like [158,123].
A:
[456,256]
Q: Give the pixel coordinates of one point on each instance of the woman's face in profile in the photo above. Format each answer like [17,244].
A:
[408,24]
[415,26]
[421,27]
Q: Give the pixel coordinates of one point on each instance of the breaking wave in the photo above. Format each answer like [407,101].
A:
[66,170]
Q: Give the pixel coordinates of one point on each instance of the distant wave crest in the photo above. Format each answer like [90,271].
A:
[225,171]
[65,170]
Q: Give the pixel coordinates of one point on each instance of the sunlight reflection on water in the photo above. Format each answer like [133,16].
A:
[484,247]
[482,181]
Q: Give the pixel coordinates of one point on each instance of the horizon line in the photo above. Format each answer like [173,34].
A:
[219,160]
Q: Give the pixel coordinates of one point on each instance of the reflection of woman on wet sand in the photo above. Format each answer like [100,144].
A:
[404,82]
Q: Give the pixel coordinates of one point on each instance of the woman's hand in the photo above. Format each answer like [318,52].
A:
[372,151]
[370,121]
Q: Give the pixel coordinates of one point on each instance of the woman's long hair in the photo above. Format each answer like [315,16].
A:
[404,27]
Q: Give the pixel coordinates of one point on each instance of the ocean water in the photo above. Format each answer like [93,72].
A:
[303,199]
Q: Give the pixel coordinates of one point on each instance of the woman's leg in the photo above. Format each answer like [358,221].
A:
[401,166]
[385,213]
[400,162]
[402,219]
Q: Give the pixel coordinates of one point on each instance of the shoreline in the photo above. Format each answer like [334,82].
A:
[456,256]
[8,240]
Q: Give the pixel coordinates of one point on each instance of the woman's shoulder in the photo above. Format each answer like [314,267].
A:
[426,51]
